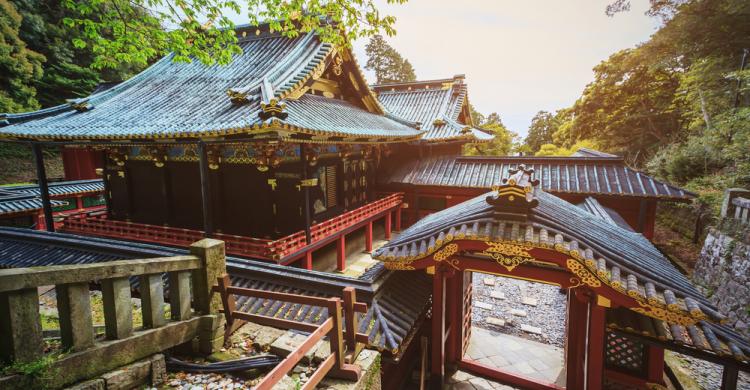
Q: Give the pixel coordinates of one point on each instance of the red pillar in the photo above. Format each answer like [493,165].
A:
[437,372]
[307,261]
[655,365]
[388,225]
[576,340]
[398,219]
[453,303]
[341,253]
[595,356]
[368,236]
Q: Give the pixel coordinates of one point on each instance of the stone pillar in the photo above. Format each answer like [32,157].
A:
[20,326]
[211,252]
[118,308]
[74,308]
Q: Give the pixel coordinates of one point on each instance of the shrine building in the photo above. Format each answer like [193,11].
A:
[306,173]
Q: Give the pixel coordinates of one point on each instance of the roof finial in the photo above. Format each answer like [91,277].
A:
[516,194]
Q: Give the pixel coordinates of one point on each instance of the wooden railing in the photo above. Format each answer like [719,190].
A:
[188,276]
[345,344]
[237,245]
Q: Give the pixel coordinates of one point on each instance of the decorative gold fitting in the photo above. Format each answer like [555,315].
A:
[99,172]
[337,66]
[438,122]
[237,98]
[273,183]
[309,182]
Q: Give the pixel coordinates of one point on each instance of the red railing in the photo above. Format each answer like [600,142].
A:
[344,342]
[275,250]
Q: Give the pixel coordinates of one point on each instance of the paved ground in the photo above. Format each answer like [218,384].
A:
[461,380]
[358,263]
[525,357]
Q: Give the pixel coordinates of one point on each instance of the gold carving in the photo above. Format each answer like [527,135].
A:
[337,69]
[664,315]
[446,252]
[509,256]
[398,266]
[309,182]
[580,270]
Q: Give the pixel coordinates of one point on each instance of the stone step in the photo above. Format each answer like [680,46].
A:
[530,301]
[495,321]
[483,305]
[518,313]
[497,294]
[531,329]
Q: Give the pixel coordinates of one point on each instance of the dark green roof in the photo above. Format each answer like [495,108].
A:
[176,100]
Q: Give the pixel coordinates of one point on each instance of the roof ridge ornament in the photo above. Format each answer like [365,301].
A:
[516,194]
[274,108]
[80,105]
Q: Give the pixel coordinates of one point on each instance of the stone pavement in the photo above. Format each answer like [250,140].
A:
[358,263]
[517,355]
[461,380]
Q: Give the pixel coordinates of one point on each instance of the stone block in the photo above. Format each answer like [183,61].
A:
[531,329]
[483,305]
[495,321]
[518,313]
[288,342]
[265,337]
[489,281]
[94,384]
[158,370]
[529,301]
[128,377]
[497,294]
[322,350]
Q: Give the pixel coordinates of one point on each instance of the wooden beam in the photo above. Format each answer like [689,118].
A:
[437,371]
[206,194]
[368,237]
[729,377]
[595,355]
[655,364]
[388,225]
[576,341]
[341,252]
[41,176]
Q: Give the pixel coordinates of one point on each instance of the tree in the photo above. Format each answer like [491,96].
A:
[19,66]
[137,31]
[387,63]
[542,127]
[501,145]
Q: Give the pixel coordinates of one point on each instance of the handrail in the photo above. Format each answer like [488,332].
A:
[333,327]
[741,209]
[237,245]
[21,278]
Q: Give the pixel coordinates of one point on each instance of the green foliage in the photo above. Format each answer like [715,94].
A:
[38,373]
[137,31]
[19,66]
[387,63]
[554,150]
[540,131]
[501,145]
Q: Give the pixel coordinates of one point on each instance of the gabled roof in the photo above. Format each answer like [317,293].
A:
[440,106]
[269,89]
[527,226]
[558,175]
[396,301]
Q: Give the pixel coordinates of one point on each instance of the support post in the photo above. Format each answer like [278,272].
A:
[350,318]
[308,261]
[118,309]
[398,218]
[341,252]
[642,211]
[655,365]
[306,192]
[595,356]
[20,326]
[368,237]
[179,295]
[152,300]
[41,176]
[206,198]
[576,340]
[212,255]
[74,309]
[453,304]
[388,225]
[437,372]
[729,377]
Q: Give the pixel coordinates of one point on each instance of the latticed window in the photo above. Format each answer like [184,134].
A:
[624,354]
[331,186]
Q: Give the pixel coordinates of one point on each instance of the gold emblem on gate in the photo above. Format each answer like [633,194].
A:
[509,256]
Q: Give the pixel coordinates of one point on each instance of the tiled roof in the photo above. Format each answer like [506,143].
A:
[593,206]
[624,260]
[396,301]
[61,188]
[435,104]
[558,175]
[12,202]
[173,100]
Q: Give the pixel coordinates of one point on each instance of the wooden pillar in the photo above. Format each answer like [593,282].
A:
[437,372]
[655,364]
[306,192]
[307,261]
[642,213]
[729,377]
[350,318]
[206,198]
[341,252]
[576,340]
[595,355]
[41,176]
[453,302]
[368,237]
[398,218]
[388,225]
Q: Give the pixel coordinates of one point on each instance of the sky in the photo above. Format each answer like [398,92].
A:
[519,56]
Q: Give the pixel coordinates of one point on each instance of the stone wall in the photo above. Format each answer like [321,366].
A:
[723,270]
